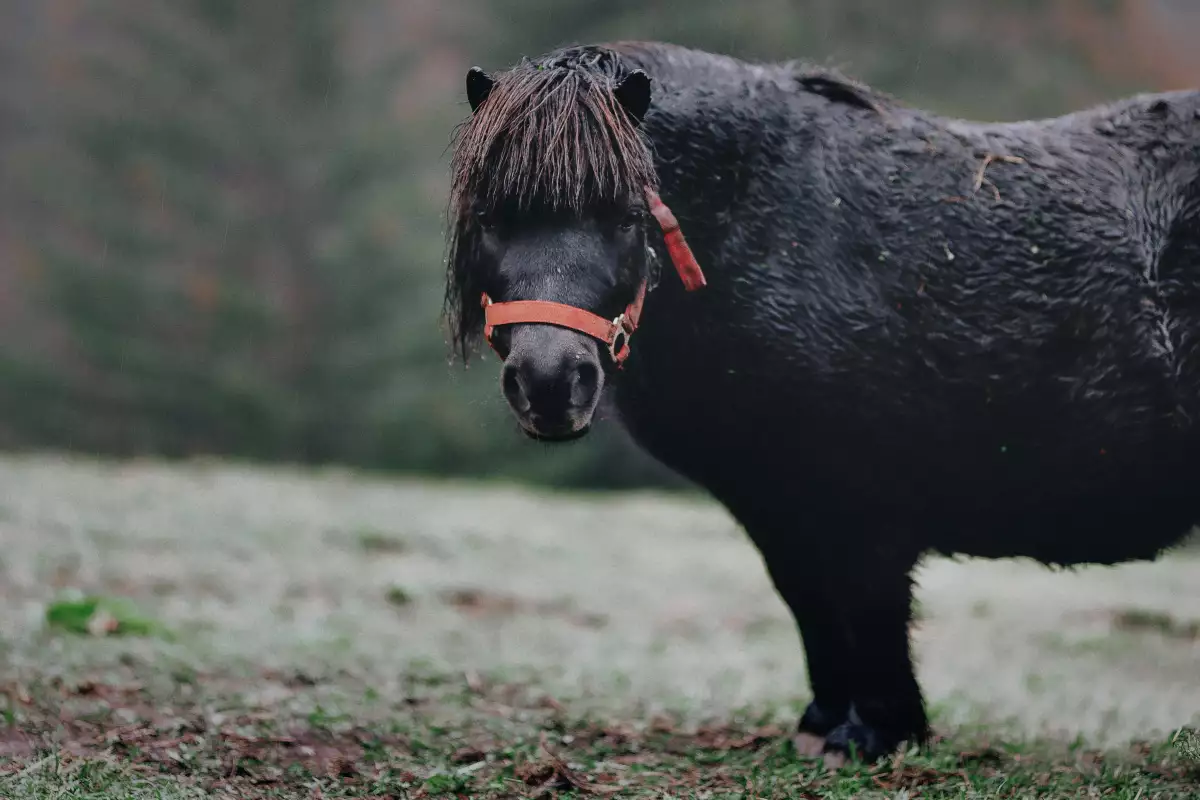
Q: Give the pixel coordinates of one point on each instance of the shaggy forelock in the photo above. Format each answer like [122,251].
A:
[549,135]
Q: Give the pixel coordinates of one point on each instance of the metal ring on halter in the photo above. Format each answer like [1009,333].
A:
[653,268]
[620,339]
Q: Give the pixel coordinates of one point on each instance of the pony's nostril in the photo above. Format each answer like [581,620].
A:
[514,388]
[585,382]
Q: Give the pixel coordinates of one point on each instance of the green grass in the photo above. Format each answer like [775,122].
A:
[455,737]
[215,631]
[101,616]
[446,735]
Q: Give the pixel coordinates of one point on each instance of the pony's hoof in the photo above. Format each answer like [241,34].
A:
[859,741]
[834,761]
[808,745]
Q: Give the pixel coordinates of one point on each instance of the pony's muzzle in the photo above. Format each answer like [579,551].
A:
[552,380]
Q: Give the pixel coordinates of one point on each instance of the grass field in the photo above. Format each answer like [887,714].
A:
[221,631]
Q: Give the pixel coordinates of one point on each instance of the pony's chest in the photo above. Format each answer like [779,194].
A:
[716,383]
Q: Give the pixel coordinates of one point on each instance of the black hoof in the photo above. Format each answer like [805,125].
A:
[855,740]
[819,720]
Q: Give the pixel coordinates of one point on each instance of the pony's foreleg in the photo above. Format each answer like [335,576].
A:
[805,589]
[873,608]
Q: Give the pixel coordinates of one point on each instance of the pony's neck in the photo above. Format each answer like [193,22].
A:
[713,119]
[705,148]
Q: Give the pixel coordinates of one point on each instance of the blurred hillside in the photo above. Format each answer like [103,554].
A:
[220,222]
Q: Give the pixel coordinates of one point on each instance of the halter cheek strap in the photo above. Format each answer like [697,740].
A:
[614,334]
[681,255]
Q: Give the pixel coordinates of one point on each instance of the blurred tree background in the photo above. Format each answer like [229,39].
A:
[221,221]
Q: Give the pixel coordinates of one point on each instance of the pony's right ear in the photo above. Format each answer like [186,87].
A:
[479,86]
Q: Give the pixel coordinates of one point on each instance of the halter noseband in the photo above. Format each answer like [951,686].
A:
[615,333]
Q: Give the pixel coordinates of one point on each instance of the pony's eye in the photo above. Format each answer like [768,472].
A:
[632,220]
[485,219]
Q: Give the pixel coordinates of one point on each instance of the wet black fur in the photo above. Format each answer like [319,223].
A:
[894,356]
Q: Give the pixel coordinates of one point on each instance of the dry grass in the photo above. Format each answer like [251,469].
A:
[330,635]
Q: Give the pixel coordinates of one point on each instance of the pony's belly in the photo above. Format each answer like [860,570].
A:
[1067,483]
[933,459]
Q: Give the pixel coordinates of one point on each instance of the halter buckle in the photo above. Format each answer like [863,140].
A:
[618,341]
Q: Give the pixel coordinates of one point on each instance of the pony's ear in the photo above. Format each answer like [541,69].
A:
[479,85]
[633,94]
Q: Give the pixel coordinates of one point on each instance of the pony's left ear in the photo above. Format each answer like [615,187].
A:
[479,86]
[633,94]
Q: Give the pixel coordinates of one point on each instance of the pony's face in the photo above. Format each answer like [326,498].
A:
[549,175]
[592,260]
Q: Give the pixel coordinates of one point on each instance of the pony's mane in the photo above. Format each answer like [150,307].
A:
[552,134]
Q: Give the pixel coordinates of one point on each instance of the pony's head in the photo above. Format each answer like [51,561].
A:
[553,184]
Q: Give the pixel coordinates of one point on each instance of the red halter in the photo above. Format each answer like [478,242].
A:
[615,333]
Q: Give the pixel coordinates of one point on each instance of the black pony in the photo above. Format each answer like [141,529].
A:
[910,334]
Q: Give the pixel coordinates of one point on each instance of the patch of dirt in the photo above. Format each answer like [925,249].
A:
[15,744]
[1139,620]
[551,773]
[482,603]
[242,749]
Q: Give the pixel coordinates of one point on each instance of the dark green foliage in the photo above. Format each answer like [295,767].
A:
[221,222]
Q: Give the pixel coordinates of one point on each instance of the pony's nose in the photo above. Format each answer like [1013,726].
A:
[514,387]
[549,387]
